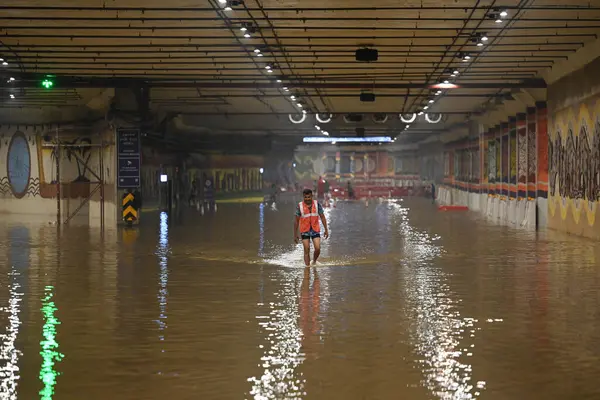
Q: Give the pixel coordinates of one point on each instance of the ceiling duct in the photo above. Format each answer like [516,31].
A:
[351,118]
[367,55]
[297,118]
[367,97]
[380,118]
[324,118]
[433,118]
[408,118]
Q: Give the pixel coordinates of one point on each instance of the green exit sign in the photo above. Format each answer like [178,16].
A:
[47,83]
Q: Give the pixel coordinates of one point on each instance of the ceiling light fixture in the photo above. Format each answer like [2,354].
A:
[325,133]
[247,35]
[4,63]
[299,105]
[278,80]
[421,113]
[293,97]
[259,55]
[438,92]
[286,89]
[484,38]
[479,44]
[446,82]
[11,79]
[456,72]
[12,96]
[431,101]
[426,108]
[223,1]
[504,14]
[317,127]
[304,111]
[257,50]
[407,126]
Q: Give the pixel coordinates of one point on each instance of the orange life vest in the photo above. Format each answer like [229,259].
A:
[309,218]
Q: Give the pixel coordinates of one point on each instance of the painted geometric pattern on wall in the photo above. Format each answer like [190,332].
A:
[522,156]
[492,161]
[531,152]
[574,162]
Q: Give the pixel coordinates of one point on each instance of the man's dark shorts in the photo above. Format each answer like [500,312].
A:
[310,235]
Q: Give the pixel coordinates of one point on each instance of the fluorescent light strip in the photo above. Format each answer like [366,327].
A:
[325,139]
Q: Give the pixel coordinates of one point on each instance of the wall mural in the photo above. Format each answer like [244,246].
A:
[475,169]
[498,147]
[446,164]
[513,158]
[20,180]
[574,162]
[30,168]
[309,166]
[522,155]
[492,152]
[505,155]
[531,156]
[73,171]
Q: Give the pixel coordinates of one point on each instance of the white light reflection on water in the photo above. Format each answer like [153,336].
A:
[9,354]
[261,229]
[282,352]
[443,337]
[163,252]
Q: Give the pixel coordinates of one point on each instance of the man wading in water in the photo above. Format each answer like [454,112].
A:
[308,213]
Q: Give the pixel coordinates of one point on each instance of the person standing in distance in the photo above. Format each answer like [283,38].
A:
[308,213]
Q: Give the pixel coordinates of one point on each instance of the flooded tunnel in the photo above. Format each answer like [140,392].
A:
[168,172]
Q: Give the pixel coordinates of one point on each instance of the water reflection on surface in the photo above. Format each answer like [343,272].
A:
[409,303]
[50,354]
[162,252]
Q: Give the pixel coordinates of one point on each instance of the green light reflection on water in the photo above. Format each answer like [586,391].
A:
[50,354]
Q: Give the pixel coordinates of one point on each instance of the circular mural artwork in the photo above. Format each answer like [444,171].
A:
[330,164]
[358,165]
[18,165]
[371,165]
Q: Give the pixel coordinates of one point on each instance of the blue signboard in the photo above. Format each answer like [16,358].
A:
[129,158]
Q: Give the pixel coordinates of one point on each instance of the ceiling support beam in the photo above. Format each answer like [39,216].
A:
[32,81]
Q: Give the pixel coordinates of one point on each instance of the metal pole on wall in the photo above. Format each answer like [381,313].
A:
[57,178]
[101,161]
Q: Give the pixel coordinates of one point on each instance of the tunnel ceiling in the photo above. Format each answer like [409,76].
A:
[200,65]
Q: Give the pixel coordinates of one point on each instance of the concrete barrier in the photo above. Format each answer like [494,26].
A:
[498,209]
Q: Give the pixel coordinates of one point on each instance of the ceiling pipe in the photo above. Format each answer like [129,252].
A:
[63,82]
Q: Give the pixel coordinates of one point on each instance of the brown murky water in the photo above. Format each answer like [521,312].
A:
[409,304]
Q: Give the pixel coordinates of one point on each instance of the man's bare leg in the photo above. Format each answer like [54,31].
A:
[306,244]
[317,244]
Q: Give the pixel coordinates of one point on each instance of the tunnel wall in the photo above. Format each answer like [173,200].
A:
[574,152]
[501,172]
[340,164]
[30,186]
[28,173]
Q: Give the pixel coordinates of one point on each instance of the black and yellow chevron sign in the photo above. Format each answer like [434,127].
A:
[130,212]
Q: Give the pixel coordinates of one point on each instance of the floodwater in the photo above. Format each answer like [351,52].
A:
[408,304]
